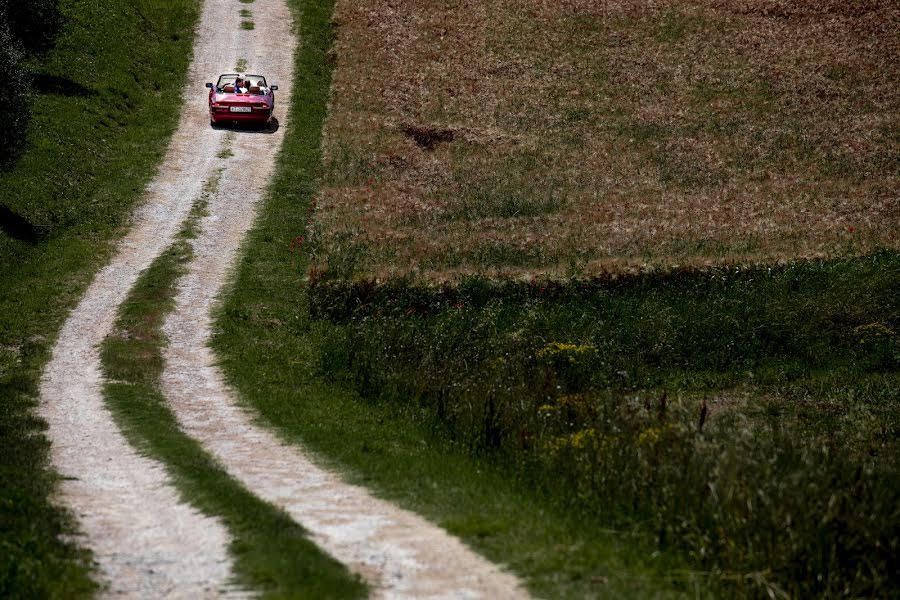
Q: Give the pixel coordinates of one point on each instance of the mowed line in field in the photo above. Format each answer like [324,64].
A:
[146,541]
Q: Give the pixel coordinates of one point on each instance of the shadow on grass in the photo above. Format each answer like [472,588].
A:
[17,227]
[59,86]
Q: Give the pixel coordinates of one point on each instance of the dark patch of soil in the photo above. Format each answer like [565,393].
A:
[428,137]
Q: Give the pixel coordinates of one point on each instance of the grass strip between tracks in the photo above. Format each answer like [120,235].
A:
[107,99]
[272,553]
[270,348]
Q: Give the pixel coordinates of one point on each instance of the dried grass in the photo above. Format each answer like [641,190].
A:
[579,136]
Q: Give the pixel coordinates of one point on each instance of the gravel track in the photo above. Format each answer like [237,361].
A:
[399,553]
[145,540]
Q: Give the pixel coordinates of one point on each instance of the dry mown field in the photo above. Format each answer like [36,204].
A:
[517,137]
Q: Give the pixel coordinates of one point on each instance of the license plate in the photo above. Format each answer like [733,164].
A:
[240,109]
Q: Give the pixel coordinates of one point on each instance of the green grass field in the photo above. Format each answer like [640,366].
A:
[747,418]
[103,113]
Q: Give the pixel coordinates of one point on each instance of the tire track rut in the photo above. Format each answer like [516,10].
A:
[398,552]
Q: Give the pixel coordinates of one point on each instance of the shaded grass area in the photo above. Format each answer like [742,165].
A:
[749,418]
[270,348]
[111,87]
[779,323]
[558,553]
[586,137]
[272,553]
[106,103]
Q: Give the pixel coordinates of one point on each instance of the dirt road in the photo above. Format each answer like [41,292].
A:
[146,541]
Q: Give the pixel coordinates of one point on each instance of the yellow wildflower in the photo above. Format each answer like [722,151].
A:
[571,400]
[652,435]
[556,348]
[584,437]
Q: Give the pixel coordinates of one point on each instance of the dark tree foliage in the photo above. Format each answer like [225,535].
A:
[34,24]
[28,27]
[15,108]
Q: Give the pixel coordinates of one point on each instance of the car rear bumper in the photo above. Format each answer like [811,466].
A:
[224,116]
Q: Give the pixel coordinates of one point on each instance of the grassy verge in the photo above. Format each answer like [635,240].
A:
[270,347]
[272,553]
[105,106]
[749,425]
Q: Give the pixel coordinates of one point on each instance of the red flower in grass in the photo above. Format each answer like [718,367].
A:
[295,243]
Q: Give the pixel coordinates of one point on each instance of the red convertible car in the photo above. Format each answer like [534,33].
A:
[237,98]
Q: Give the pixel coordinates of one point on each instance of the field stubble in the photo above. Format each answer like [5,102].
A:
[524,138]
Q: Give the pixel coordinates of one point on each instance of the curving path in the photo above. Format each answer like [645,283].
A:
[147,543]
